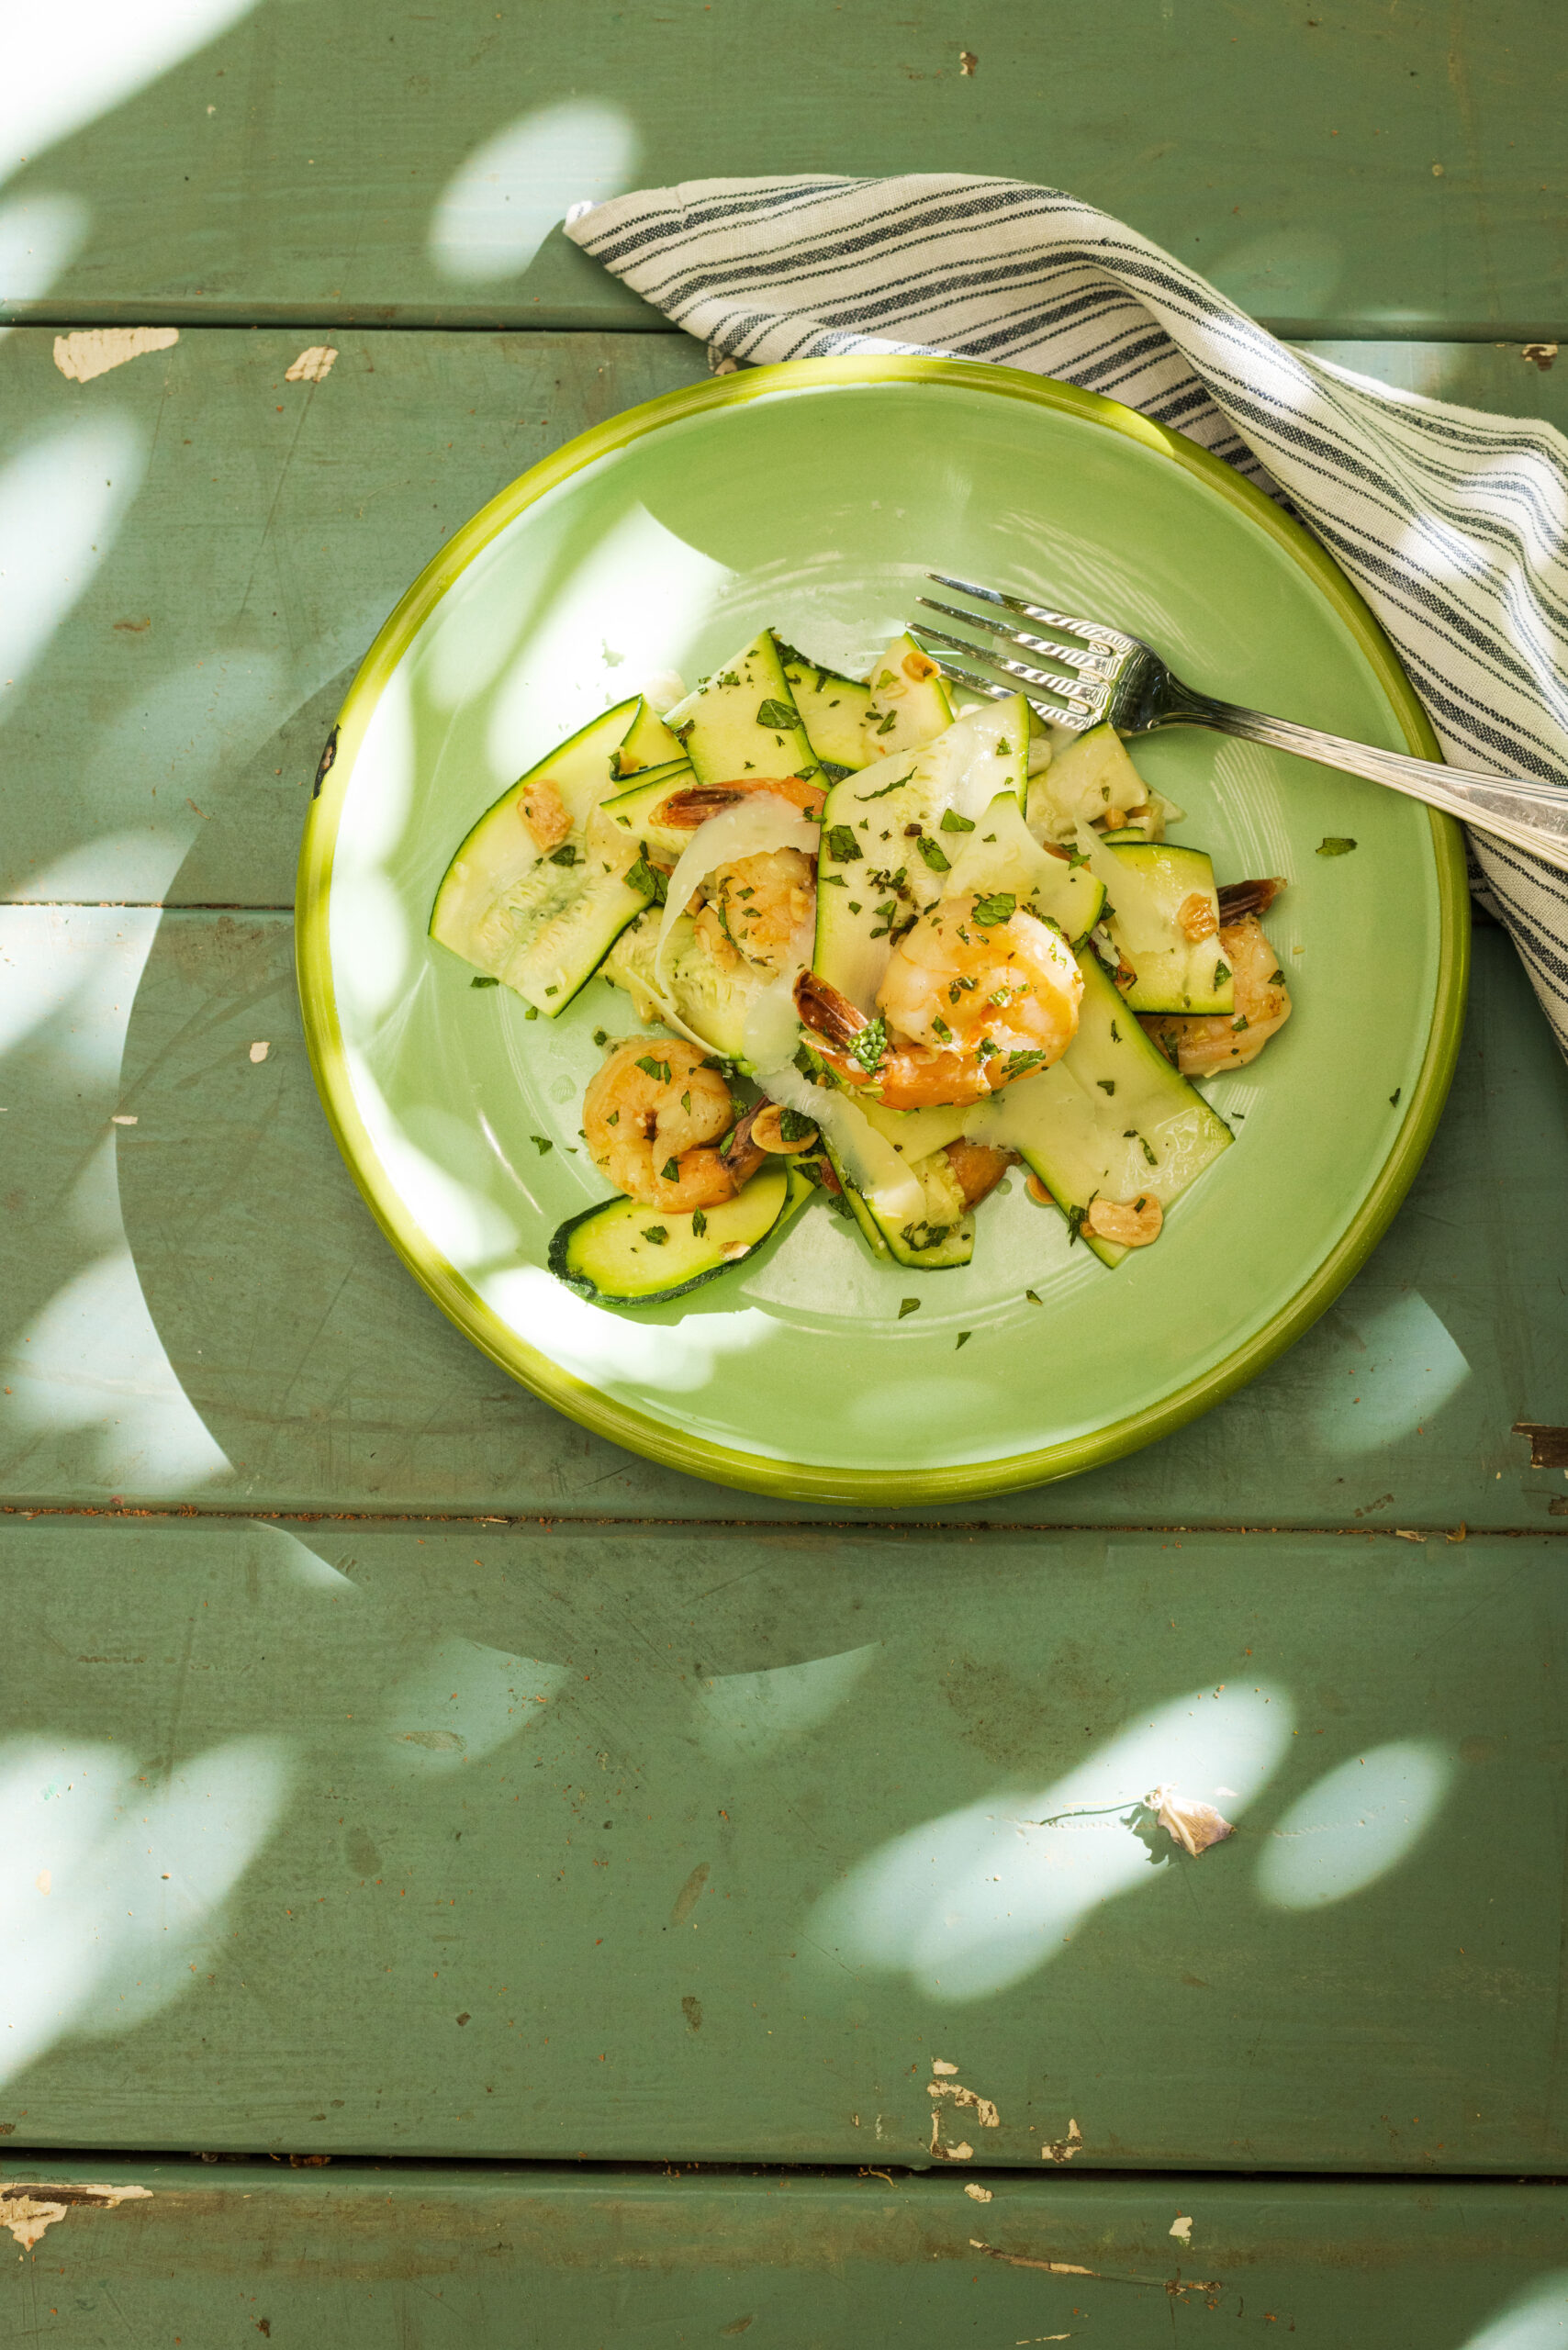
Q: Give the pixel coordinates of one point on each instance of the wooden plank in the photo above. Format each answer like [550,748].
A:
[207,617]
[197,1308]
[325,167]
[223,569]
[551,2260]
[469,1841]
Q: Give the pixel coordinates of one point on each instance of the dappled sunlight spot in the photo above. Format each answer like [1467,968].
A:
[40,235]
[612,1350]
[61,502]
[93,1361]
[463,1702]
[69,63]
[745,1714]
[1536,2319]
[1354,1825]
[138,866]
[370,943]
[500,205]
[605,598]
[978,1899]
[112,1881]
[1410,1369]
[457,1218]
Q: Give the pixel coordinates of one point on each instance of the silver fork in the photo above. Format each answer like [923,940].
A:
[1115,678]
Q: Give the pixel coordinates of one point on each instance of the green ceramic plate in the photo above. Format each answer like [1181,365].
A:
[814,496]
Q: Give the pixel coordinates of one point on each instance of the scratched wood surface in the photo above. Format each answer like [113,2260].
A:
[361,2255]
[1350,170]
[198,1308]
[817,1847]
[183,632]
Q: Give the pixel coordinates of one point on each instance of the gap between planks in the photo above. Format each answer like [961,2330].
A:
[187,1513]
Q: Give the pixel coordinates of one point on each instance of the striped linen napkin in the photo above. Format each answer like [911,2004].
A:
[1453,525]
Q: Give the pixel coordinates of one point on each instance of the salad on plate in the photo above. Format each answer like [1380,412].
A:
[885,944]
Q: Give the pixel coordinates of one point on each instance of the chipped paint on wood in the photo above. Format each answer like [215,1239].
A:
[985,2113]
[1548,1446]
[1062,2150]
[311,366]
[28,2210]
[977,2194]
[94,350]
[1181,2229]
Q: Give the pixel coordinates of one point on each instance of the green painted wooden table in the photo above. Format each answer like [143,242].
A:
[395,1773]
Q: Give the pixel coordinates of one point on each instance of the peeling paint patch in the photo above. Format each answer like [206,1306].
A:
[311,366]
[94,350]
[1181,2229]
[977,2194]
[1548,1446]
[942,2069]
[985,2113]
[27,2211]
[1062,2150]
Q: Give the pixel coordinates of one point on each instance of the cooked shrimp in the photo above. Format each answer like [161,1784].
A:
[757,908]
[696,802]
[652,1119]
[968,1005]
[977,1168]
[1201,1044]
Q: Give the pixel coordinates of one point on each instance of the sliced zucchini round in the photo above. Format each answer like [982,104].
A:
[619,1253]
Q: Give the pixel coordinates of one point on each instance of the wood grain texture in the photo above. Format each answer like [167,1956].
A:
[548,2259]
[197,1307]
[470,1842]
[198,602]
[217,547]
[1353,171]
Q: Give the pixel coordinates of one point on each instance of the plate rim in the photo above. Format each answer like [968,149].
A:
[625,1424]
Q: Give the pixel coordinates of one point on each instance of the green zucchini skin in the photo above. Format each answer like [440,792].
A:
[722,728]
[833,710]
[887,1239]
[604,1253]
[1082,1140]
[1177,974]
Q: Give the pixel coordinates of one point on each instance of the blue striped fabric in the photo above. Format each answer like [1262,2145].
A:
[1454,525]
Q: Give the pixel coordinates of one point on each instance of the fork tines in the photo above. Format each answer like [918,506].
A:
[1076,699]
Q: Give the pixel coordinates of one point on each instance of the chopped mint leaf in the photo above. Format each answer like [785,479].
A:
[1001,906]
[778,716]
[866,797]
[953,823]
[793,1126]
[541,1143]
[963,1340]
[889,722]
[1393,1097]
[483,983]
[651,1068]
[939,1029]
[1106,1084]
[601,1037]
[1222,973]
[657,1233]
[565,854]
[699,1222]
[1033,1299]
[1335,845]
[842,844]
[670,1171]
[937,861]
[1148,1153]
[908,1305]
[532,1012]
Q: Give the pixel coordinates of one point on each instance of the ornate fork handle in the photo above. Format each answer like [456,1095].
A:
[1531,816]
